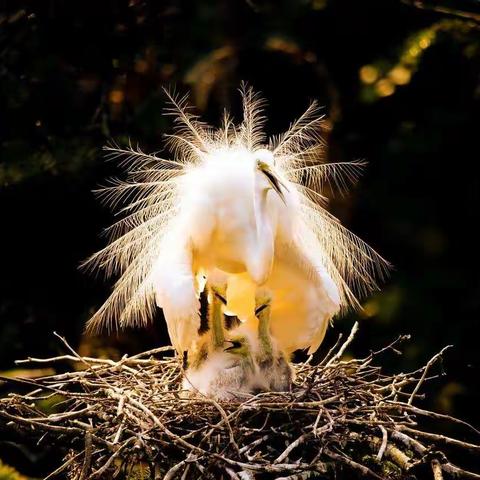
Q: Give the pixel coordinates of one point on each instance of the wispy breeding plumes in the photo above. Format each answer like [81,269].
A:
[151,199]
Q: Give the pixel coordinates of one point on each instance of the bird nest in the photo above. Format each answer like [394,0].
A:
[129,419]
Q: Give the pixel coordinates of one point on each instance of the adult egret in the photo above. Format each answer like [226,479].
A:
[230,201]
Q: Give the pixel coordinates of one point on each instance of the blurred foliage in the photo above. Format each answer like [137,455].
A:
[27,372]
[9,473]
[400,82]
[382,79]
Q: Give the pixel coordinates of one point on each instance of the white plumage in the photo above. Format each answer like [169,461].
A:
[231,202]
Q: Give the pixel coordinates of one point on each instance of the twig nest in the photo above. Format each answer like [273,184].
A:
[342,419]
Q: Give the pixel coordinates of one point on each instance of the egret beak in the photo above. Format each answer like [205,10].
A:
[219,296]
[229,345]
[274,181]
[261,308]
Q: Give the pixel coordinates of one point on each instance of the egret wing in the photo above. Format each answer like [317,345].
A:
[305,297]
[175,286]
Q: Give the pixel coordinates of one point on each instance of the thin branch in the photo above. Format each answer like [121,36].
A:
[443,9]
[342,349]
[425,371]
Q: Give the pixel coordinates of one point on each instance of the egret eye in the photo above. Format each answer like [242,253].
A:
[265,156]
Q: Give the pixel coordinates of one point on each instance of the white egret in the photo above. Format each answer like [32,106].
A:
[229,200]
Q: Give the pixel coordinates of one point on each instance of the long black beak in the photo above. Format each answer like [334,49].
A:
[274,181]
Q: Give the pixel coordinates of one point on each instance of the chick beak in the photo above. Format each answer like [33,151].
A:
[220,297]
[231,344]
[260,308]
[274,181]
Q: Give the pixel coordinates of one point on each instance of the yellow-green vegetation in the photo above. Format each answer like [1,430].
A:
[49,405]
[140,471]
[9,473]
[382,78]
[385,466]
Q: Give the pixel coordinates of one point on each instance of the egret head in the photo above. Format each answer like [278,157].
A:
[268,178]
[238,345]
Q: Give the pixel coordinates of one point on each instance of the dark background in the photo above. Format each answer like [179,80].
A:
[400,84]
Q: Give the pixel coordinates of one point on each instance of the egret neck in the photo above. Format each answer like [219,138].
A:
[261,256]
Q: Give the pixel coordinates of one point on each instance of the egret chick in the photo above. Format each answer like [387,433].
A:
[272,362]
[226,374]
[272,368]
[219,368]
